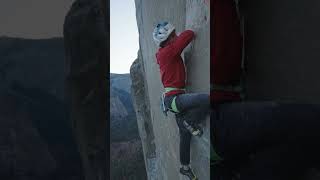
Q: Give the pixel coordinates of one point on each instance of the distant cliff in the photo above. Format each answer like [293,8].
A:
[159,134]
[36,134]
[125,145]
[33,64]
[121,81]
[123,124]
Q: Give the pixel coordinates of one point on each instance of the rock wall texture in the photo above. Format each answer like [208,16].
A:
[85,40]
[142,108]
[159,134]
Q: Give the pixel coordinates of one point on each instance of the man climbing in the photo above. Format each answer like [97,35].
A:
[188,107]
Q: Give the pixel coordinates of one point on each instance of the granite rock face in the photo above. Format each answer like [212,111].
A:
[142,108]
[85,40]
[159,134]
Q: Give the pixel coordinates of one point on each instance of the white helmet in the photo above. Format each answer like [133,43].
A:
[162,31]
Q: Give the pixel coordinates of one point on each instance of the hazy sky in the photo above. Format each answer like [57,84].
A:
[124,42]
[38,19]
[34,19]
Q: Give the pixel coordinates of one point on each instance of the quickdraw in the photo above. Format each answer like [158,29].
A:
[164,109]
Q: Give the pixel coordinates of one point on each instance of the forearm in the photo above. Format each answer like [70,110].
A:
[183,40]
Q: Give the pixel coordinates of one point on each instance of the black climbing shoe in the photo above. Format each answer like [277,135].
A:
[188,173]
[194,130]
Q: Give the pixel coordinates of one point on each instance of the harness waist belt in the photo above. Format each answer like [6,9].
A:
[168,89]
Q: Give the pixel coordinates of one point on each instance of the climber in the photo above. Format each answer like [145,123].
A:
[187,107]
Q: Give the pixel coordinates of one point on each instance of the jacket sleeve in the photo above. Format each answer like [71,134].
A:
[182,41]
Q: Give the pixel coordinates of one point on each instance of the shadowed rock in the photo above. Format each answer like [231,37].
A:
[85,40]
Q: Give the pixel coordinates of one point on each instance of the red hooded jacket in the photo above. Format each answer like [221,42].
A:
[171,65]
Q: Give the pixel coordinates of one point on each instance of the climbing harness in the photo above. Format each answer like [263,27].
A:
[168,89]
[173,107]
